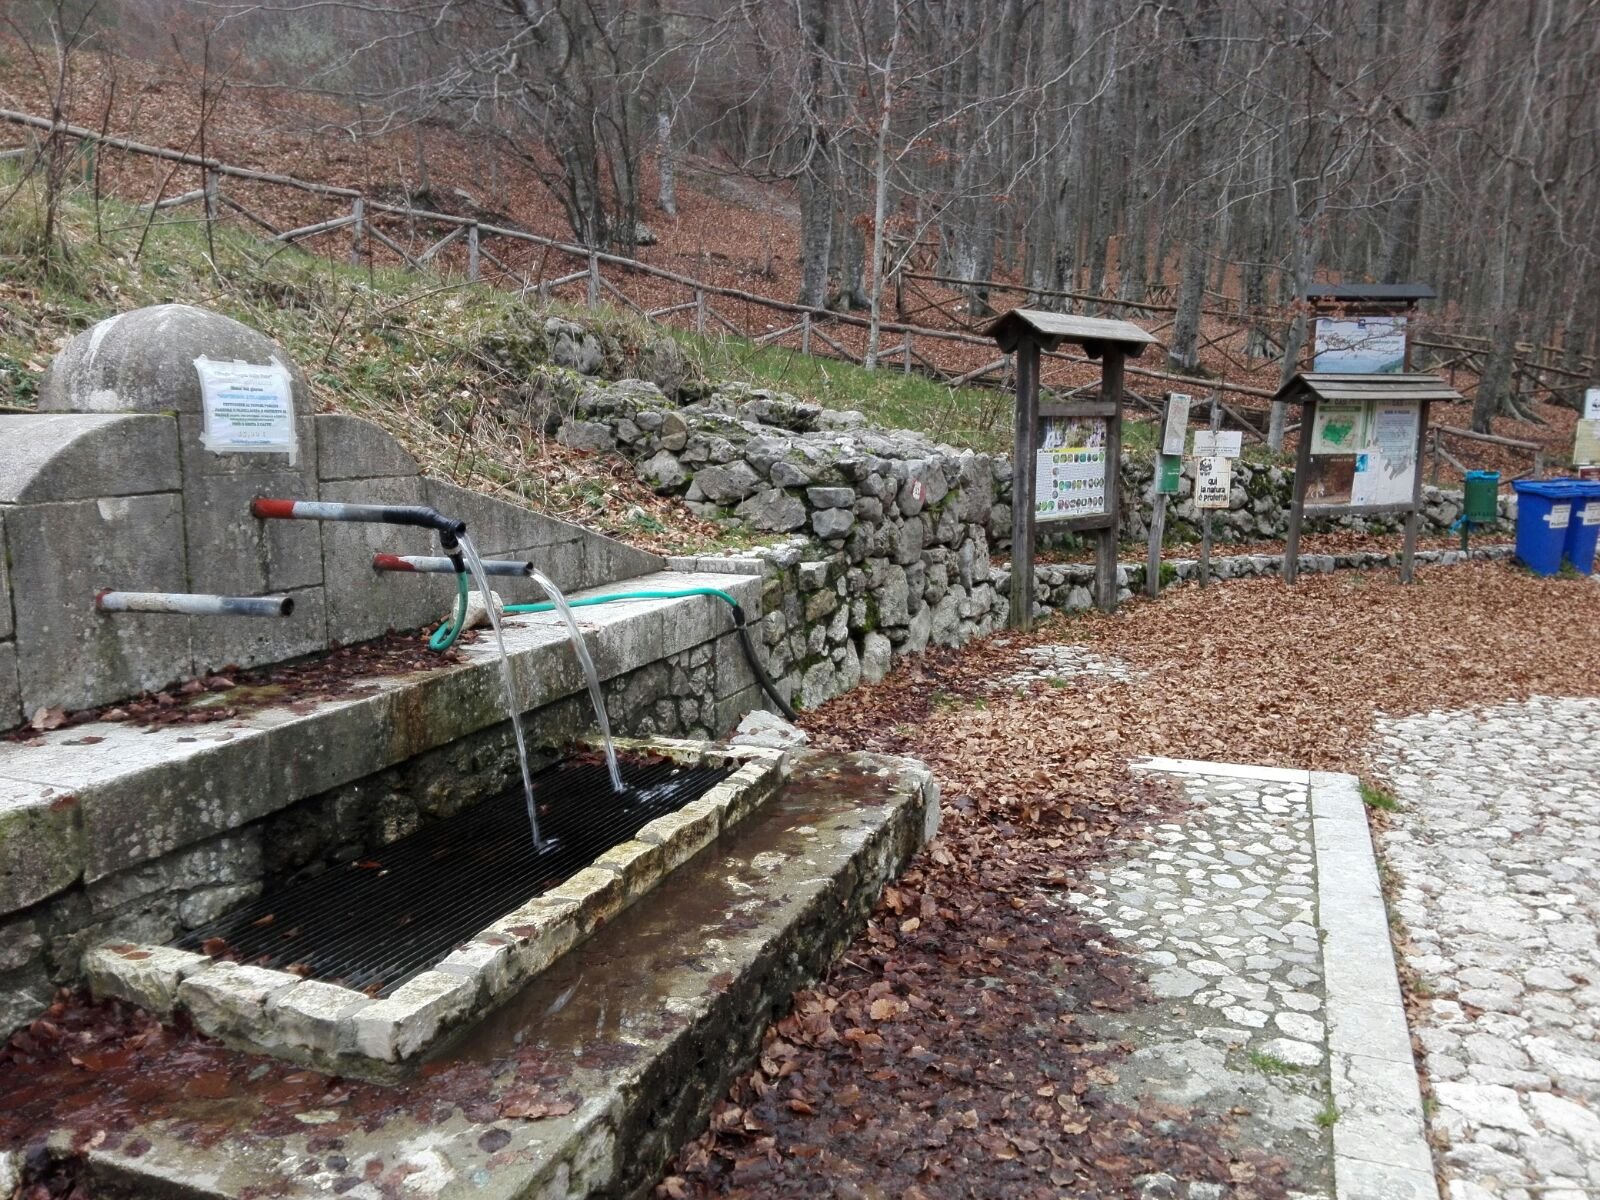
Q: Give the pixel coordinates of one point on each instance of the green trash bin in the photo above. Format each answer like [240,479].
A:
[1482,499]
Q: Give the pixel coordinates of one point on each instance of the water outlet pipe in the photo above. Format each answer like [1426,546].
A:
[189,604]
[435,565]
[448,528]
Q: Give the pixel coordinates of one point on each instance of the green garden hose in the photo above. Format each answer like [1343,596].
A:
[445,636]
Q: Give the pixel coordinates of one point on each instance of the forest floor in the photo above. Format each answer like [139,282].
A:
[903,1073]
[729,230]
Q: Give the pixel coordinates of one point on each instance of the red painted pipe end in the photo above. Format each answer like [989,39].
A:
[264,508]
[390,562]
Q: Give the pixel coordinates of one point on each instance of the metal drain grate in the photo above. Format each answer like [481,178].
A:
[374,924]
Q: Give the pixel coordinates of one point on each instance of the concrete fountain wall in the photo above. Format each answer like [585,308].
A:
[113,831]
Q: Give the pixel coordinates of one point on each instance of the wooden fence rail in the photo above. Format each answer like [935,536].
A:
[801,320]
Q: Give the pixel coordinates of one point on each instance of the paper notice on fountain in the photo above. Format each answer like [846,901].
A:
[248,408]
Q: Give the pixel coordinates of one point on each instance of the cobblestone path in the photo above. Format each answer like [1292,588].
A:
[1495,857]
[1221,906]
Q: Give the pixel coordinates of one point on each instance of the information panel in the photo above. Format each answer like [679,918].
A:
[1363,454]
[1070,468]
[1361,345]
[1213,481]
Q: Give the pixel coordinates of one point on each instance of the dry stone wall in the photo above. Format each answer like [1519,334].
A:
[891,537]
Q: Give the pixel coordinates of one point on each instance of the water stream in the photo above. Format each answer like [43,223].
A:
[469,554]
[595,695]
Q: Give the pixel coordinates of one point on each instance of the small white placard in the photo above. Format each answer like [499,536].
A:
[1560,515]
[1213,481]
[1591,404]
[1222,443]
[1176,425]
[1591,514]
[248,407]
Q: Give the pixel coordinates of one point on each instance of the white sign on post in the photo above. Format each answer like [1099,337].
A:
[1213,481]
[1175,428]
[1218,443]
[248,407]
[1591,404]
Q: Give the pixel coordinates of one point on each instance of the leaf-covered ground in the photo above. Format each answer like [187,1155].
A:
[941,1056]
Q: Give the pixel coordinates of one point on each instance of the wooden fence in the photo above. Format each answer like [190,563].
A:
[565,270]
[600,276]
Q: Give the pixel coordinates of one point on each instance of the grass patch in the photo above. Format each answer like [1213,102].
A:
[952,701]
[1271,1064]
[888,396]
[1375,797]
[1327,1116]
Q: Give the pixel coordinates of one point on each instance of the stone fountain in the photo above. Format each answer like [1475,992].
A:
[123,834]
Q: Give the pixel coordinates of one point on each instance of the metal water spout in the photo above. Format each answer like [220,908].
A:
[191,604]
[449,529]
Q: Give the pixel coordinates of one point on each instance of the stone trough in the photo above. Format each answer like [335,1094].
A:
[126,840]
[355,1032]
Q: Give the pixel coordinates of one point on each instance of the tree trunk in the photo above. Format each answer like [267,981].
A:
[816,174]
[667,196]
[1181,354]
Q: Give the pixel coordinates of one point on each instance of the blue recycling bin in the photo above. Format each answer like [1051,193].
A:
[1584,528]
[1544,513]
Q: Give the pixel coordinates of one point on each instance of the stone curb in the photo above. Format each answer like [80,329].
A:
[1380,1146]
[1380,1143]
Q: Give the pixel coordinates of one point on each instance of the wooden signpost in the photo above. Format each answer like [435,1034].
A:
[1360,451]
[1066,459]
[1169,473]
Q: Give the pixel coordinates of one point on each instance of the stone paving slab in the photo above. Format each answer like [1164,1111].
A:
[1495,852]
[1259,915]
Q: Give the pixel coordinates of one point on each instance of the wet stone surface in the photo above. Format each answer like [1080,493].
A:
[1221,908]
[1494,855]
[583,1084]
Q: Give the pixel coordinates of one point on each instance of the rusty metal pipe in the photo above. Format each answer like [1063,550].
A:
[189,604]
[433,565]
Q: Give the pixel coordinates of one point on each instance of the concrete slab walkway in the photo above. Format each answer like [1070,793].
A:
[1260,917]
[1496,858]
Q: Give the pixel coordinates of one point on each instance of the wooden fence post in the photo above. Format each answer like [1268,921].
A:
[905,350]
[699,311]
[472,252]
[1024,440]
[358,216]
[805,333]
[594,279]
[1205,518]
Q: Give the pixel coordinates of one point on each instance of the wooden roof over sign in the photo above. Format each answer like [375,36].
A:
[1345,389]
[1371,293]
[1051,329]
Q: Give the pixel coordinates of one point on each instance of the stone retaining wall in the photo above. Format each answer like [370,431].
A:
[771,463]
[891,534]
